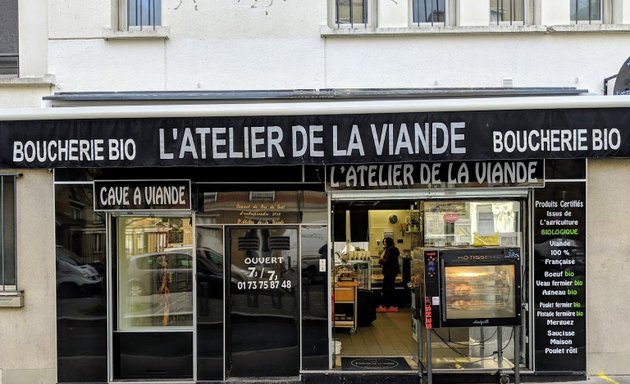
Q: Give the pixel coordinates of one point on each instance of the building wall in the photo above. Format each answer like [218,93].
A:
[27,334]
[33,37]
[607,267]
[287,44]
[20,96]
[34,81]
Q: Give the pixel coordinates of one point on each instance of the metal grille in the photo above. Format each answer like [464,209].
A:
[507,11]
[586,11]
[144,13]
[282,243]
[429,12]
[262,196]
[248,244]
[351,12]
[8,265]
[8,64]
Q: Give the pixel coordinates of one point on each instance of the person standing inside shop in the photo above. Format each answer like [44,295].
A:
[391,268]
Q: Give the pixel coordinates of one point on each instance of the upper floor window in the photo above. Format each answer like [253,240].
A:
[138,14]
[9,37]
[351,12]
[8,266]
[429,12]
[507,11]
[586,11]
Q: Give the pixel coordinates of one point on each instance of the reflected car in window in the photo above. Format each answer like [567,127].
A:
[210,267]
[75,278]
[149,273]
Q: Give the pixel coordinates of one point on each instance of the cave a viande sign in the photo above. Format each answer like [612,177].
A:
[140,195]
[316,139]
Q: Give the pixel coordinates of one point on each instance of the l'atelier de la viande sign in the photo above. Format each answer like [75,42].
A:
[518,173]
[325,139]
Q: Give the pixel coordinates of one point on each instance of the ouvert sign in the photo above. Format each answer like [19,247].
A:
[317,139]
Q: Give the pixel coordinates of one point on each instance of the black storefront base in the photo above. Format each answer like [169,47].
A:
[439,378]
[410,377]
[254,381]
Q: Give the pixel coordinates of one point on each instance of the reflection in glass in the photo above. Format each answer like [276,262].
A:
[258,208]
[478,223]
[144,12]
[154,272]
[81,286]
[428,11]
[506,11]
[74,276]
[314,246]
[263,300]
[586,10]
[210,282]
[351,11]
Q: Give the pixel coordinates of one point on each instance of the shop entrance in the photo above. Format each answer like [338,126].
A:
[368,325]
[262,337]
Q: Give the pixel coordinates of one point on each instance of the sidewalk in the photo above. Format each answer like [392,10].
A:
[595,379]
[599,379]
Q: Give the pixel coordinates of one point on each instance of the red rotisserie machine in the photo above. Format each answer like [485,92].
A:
[469,287]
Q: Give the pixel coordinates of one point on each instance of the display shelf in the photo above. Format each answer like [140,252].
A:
[345,315]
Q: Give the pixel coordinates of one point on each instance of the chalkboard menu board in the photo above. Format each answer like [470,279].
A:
[559,301]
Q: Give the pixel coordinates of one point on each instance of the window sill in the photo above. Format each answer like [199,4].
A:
[15,81]
[158,33]
[11,299]
[589,28]
[328,32]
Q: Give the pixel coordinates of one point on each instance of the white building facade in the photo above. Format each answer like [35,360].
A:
[65,62]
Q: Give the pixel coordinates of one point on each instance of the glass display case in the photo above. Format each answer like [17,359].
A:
[377,273]
[359,271]
[475,292]
[468,287]
[363,273]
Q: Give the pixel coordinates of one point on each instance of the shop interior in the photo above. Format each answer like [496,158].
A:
[359,228]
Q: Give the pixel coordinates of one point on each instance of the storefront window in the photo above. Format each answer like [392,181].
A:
[155,272]
[210,307]
[262,207]
[471,223]
[81,286]
[314,253]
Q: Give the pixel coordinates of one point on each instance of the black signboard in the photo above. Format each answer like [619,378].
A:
[139,195]
[317,139]
[559,302]
[525,173]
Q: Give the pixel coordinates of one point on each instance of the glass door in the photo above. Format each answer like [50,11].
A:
[263,328]
[152,298]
